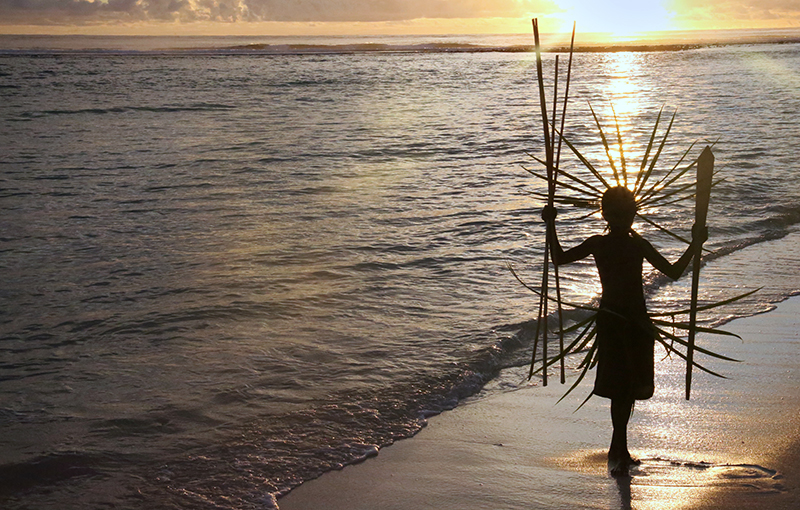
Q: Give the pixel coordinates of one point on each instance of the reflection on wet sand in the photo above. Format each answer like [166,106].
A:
[661,483]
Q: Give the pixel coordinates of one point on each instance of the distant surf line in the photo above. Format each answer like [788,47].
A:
[388,48]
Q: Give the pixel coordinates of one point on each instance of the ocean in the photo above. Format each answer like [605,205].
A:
[232,265]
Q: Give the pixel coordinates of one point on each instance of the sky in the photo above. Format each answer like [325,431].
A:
[377,17]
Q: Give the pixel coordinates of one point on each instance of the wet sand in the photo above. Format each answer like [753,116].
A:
[736,444]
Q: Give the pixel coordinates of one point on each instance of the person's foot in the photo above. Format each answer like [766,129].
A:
[632,460]
[618,467]
[619,462]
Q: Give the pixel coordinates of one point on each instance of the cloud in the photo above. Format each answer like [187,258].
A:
[684,13]
[72,11]
[744,12]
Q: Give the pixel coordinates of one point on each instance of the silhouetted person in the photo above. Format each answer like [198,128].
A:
[625,335]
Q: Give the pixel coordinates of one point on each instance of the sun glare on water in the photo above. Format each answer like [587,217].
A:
[622,103]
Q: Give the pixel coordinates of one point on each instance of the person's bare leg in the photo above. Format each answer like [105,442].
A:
[619,458]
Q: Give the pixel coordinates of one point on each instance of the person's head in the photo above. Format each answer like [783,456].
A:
[619,208]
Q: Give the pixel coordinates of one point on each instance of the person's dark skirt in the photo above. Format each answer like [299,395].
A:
[624,356]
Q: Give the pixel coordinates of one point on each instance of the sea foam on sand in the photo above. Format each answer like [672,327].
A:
[736,444]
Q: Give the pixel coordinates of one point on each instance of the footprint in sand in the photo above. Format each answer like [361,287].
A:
[661,472]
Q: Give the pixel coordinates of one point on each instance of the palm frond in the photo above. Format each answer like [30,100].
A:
[568,175]
[682,355]
[641,174]
[660,183]
[575,347]
[586,163]
[563,199]
[621,151]
[663,229]
[595,211]
[590,395]
[685,343]
[653,199]
[586,365]
[683,198]
[668,179]
[562,184]
[656,155]
[709,306]
[605,145]
[538,293]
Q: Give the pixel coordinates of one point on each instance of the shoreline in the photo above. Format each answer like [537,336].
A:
[668,41]
[365,49]
[737,442]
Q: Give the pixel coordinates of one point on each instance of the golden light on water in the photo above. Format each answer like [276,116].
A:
[662,483]
[623,90]
[623,95]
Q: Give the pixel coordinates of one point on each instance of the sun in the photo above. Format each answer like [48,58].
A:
[617,19]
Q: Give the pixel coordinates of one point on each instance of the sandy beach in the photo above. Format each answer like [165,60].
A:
[736,444]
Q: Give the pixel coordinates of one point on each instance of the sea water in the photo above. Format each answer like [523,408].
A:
[230,266]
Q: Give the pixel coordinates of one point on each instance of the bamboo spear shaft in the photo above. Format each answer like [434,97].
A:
[551,191]
[566,95]
[555,179]
[548,164]
[705,171]
[542,320]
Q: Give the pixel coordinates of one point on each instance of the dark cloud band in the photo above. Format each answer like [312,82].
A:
[66,11]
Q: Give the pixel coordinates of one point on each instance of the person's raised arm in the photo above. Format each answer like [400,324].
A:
[674,271]
[557,253]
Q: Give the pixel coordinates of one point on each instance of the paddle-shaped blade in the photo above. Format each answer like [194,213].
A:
[705,172]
